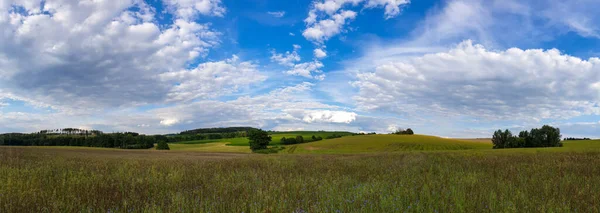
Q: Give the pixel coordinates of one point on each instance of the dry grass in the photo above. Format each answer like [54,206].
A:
[98,180]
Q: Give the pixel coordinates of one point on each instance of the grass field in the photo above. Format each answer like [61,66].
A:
[276,138]
[385,143]
[421,175]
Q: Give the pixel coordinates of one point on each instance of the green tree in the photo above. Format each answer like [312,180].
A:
[259,139]
[299,139]
[163,145]
[409,131]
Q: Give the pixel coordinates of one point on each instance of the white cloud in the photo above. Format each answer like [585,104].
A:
[292,34]
[327,19]
[112,52]
[212,79]
[288,58]
[323,30]
[392,7]
[320,53]
[190,9]
[329,116]
[471,81]
[307,70]
[277,14]
[169,121]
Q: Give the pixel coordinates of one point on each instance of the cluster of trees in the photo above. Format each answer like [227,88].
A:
[401,131]
[332,136]
[577,139]
[126,140]
[547,136]
[299,139]
[259,139]
[71,131]
[362,133]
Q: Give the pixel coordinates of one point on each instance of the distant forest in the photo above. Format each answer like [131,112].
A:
[123,140]
[79,137]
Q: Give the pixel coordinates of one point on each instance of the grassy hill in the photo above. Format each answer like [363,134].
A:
[385,143]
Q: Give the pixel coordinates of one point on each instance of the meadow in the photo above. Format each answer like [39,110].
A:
[244,142]
[422,174]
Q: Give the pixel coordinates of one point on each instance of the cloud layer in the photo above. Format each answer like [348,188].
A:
[470,80]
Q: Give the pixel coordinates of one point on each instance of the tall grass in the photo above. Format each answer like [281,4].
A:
[73,180]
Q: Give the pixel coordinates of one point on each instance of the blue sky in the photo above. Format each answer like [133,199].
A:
[452,68]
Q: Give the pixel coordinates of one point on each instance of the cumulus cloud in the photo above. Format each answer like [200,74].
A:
[190,9]
[67,54]
[211,79]
[320,53]
[323,30]
[288,58]
[470,80]
[329,116]
[286,105]
[327,19]
[277,14]
[307,69]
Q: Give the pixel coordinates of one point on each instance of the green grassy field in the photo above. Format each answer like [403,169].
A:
[276,138]
[423,174]
[385,143]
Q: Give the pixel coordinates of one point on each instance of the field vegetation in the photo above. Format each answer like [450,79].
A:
[464,177]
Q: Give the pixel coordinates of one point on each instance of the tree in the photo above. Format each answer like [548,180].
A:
[162,145]
[299,139]
[502,139]
[409,132]
[259,139]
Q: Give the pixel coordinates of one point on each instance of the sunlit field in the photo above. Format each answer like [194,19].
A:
[420,174]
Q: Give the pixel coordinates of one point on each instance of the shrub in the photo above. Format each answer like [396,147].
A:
[162,145]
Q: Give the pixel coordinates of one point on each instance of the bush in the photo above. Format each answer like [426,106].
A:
[162,145]
[259,139]
[271,150]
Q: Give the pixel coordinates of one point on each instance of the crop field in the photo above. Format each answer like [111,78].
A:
[423,174]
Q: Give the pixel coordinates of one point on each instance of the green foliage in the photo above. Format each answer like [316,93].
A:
[76,137]
[547,136]
[259,139]
[408,131]
[162,145]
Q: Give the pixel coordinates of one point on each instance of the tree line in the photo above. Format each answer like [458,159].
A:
[204,136]
[577,139]
[299,139]
[401,131]
[547,136]
[127,140]
[236,130]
